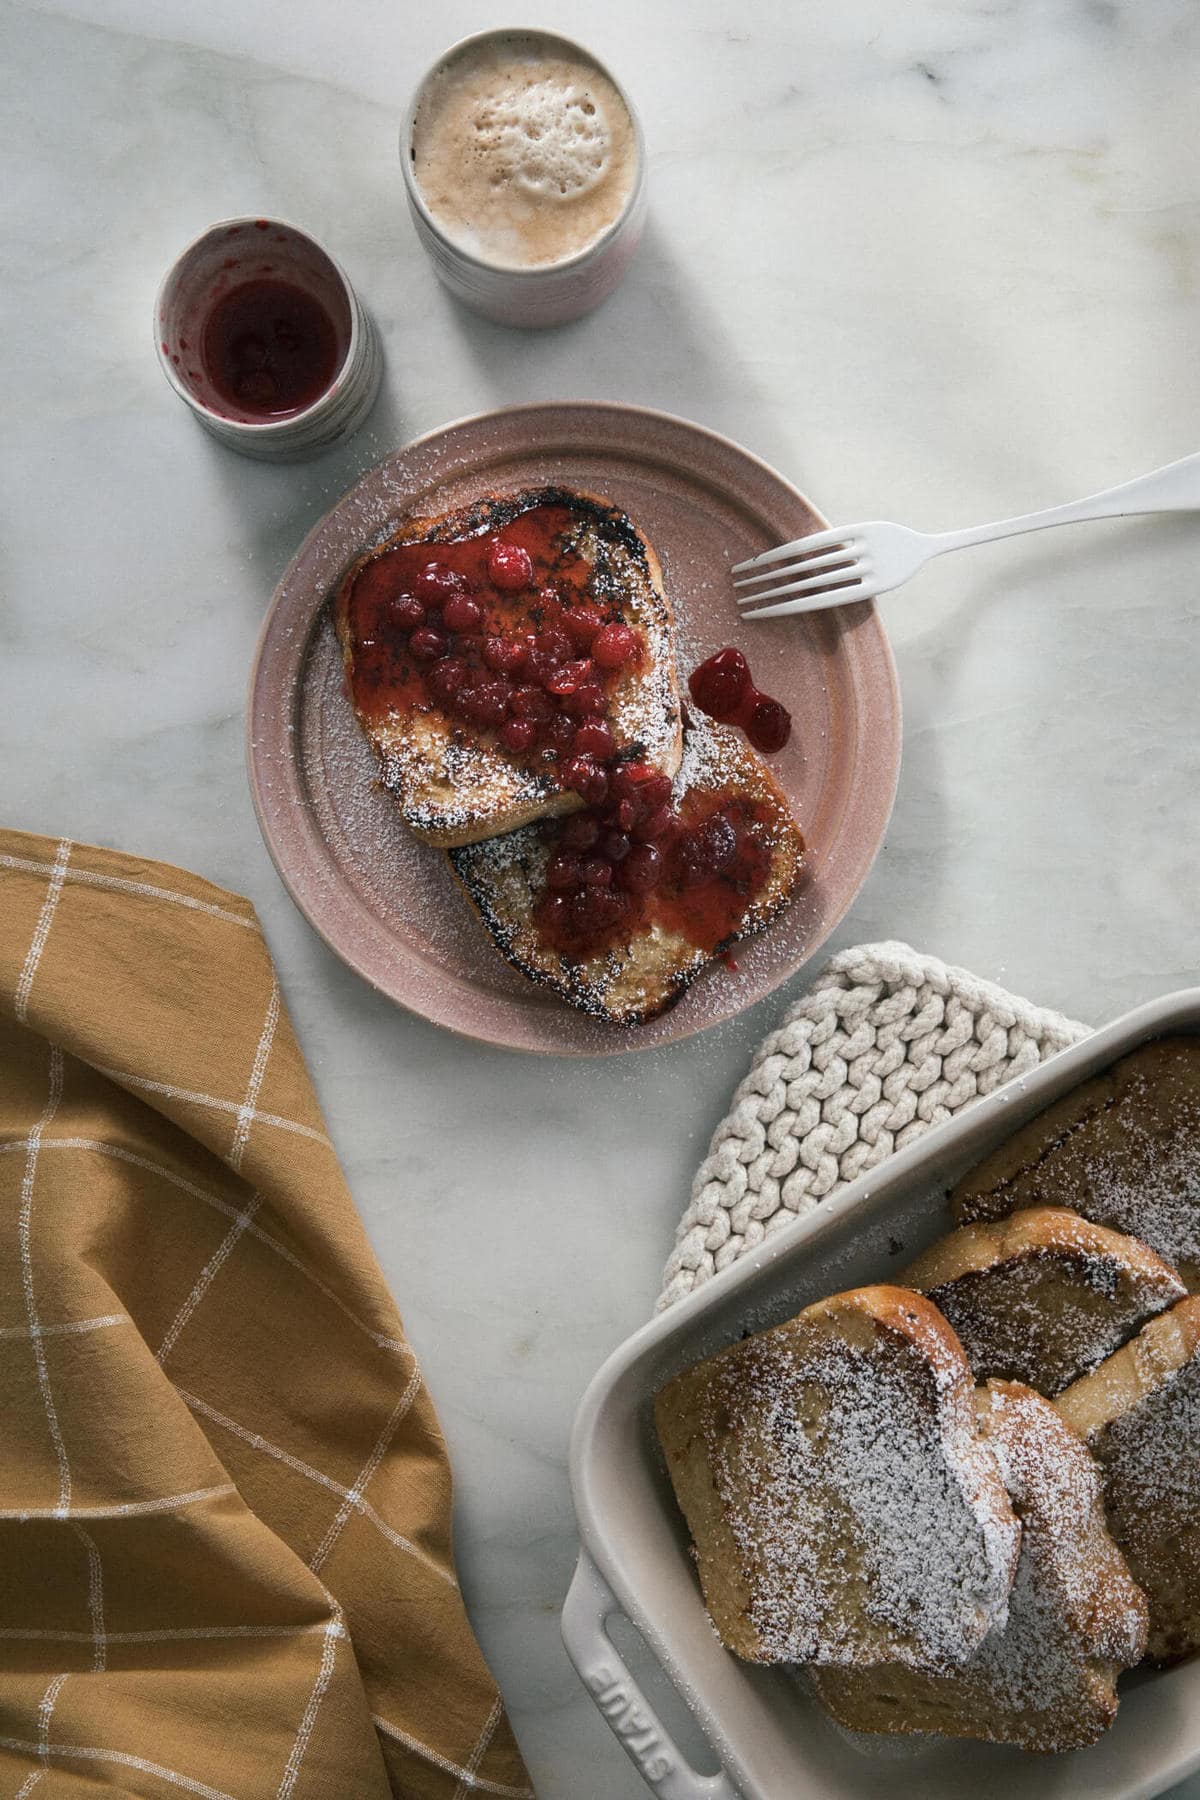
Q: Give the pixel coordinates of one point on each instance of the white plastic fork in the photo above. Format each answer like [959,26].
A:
[849,563]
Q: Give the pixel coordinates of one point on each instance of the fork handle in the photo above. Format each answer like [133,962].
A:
[1175,488]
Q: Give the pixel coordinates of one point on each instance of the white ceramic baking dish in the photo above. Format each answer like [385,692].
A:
[771,1740]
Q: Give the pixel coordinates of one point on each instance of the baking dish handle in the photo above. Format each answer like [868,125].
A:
[645,1739]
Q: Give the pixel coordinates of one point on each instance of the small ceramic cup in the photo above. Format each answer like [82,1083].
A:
[229,253]
[554,292]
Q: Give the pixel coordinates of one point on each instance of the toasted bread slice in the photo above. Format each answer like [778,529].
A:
[843,1506]
[1043,1295]
[454,783]
[1139,1413]
[1122,1149]
[658,946]
[1047,1679]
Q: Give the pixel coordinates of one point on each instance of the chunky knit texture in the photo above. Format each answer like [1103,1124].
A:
[886,1045]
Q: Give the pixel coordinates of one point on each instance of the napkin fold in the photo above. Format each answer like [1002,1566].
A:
[225,1543]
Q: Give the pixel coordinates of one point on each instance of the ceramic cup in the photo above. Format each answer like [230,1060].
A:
[229,253]
[555,292]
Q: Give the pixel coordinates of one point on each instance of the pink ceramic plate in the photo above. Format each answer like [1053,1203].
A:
[389,905]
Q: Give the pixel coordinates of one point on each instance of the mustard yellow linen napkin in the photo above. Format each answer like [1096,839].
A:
[225,1555]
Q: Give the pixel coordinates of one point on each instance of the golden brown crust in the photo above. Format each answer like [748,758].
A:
[1139,1413]
[454,786]
[1122,1149]
[641,977]
[897,1308]
[1046,1679]
[1043,1295]
[841,1503]
[1159,1351]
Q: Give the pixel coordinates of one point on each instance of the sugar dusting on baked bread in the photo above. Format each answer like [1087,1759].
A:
[843,1507]
[1139,1413]
[1123,1149]
[1151,1462]
[1046,1679]
[1043,1295]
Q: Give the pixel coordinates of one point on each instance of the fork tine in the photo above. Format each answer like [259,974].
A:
[849,576]
[811,602]
[818,540]
[808,566]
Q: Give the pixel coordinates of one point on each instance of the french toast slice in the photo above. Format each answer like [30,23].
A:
[1139,1414]
[1046,1680]
[637,962]
[438,745]
[1122,1149]
[1043,1295]
[843,1506]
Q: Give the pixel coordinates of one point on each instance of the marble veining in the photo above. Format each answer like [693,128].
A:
[937,262]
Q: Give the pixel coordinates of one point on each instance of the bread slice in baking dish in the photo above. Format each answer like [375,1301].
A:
[453,779]
[844,1508]
[656,947]
[1139,1414]
[1043,1295]
[1046,1680]
[1123,1149]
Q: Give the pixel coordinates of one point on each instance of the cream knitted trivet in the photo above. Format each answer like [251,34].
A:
[886,1045]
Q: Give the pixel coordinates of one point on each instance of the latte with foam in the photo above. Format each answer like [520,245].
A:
[523,150]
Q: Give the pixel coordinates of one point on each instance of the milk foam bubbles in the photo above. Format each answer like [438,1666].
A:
[523,150]
[549,139]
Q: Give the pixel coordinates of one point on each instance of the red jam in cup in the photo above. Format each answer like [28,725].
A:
[268,348]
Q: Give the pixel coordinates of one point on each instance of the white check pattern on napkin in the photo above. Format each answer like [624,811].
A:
[885,1045]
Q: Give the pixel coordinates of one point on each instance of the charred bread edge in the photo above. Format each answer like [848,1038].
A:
[502,937]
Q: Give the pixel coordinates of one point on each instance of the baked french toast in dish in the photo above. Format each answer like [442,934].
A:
[497,654]
[844,1505]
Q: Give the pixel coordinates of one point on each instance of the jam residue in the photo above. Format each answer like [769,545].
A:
[269,348]
[503,631]
[723,688]
[635,860]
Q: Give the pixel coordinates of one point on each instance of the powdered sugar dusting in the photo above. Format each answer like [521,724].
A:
[1123,1150]
[713,757]
[1049,1313]
[1056,1490]
[1151,1187]
[1044,1679]
[454,785]
[1150,1457]
[867,1516]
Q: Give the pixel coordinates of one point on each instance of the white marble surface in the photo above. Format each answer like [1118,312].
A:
[937,262]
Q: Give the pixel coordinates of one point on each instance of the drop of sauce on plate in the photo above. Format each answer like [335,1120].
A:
[724,688]
[269,348]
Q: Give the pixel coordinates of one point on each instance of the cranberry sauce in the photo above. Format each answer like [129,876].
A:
[635,859]
[269,348]
[717,866]
[501,632]
[722,687]
[506,633]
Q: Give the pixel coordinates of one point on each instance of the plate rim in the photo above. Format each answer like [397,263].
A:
[623,1043]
